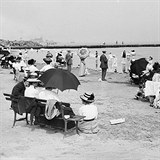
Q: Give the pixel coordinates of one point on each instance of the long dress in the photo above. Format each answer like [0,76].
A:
[82,68]
[83,53]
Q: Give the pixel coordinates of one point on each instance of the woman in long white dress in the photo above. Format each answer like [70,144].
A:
[83,53]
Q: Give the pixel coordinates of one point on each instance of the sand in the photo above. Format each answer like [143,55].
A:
[138,138]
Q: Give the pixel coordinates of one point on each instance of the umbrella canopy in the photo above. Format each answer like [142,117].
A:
[138,66]
[83,53]
[60,79]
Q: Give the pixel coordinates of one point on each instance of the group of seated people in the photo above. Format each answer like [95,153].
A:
[34,88]
[149,89]
[22,68]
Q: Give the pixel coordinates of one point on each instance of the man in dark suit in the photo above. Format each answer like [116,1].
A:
[68,59]
[17,91]
[103,65]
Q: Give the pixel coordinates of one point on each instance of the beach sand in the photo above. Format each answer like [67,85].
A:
[138,138]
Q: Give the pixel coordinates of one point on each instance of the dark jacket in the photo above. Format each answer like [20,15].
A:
[18,90]
[68,59]
[104,61]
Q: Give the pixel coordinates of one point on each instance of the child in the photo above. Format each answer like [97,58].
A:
[114,64]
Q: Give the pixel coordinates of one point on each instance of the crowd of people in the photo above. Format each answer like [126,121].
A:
[26,73]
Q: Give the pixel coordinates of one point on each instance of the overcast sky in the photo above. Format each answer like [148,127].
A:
[81,20]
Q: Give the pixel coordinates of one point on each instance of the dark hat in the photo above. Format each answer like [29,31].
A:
[59,54]
[47,59]
[31,61]
[18,59]
[49,55]
[87,97]
[103,51]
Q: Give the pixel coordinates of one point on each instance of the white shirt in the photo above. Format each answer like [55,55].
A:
[156,77]
[32,68]
[16,66]
[46,94]
[31,92]
[89,110]
[46,67]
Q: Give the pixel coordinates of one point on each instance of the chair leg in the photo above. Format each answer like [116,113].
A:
[15,116]
[77,127]
[27,118]
[65,126]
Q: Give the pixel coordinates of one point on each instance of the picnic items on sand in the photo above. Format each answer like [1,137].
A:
[59,79]
[117,121]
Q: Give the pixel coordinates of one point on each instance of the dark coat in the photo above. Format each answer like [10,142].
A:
[68,59]
[104,61]
[18,90]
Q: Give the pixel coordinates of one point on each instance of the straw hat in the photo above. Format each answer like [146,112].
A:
[87,97]
[33,80]
[47,59]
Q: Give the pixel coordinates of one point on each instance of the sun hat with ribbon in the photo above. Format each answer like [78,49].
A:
[87,97]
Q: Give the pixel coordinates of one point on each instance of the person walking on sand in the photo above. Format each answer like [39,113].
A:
[96,56]
[69,60]
[83,53]
[110,61]
[114,64]
[104,65]
[123,62]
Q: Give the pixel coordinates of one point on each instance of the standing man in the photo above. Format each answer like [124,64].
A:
[68,59]
[104,65]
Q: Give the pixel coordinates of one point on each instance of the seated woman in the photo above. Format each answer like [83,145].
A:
[89,110]
[156,103]
[18,69]
[31,67]
[153,76]
[151,87]
[31,90]
[48,64]
[60,61]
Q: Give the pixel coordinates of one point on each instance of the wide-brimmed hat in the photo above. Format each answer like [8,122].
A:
[87,97]
[49,55]
[47,59]
[31,61]
[33,80]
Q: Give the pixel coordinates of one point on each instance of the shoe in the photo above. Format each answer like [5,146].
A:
[104,80]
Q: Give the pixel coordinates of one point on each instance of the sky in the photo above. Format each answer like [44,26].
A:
[135,21]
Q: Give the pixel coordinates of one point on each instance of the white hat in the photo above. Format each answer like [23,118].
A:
[33,80]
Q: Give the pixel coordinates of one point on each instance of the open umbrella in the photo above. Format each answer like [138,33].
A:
[138,66]
[60,79]
[83,53]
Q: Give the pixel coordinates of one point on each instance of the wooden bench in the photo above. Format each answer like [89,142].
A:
[63,108]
